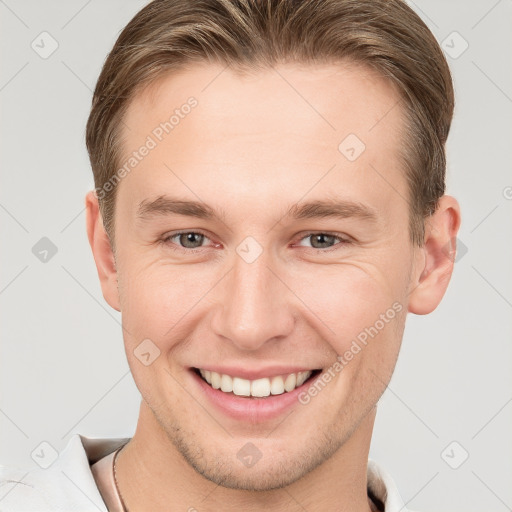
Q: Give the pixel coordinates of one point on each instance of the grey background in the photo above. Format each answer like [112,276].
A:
[62,363]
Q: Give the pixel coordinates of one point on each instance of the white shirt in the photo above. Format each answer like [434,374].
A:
[69,484]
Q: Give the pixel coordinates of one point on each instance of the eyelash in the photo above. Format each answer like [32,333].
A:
[343,241]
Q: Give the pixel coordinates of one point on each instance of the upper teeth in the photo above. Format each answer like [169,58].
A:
[259,387]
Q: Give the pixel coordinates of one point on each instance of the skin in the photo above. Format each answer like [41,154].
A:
[252,148]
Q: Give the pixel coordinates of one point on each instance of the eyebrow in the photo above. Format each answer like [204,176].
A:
[165,205]
[333,208]
[326,208]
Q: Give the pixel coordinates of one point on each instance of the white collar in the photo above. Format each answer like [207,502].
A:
[69,483]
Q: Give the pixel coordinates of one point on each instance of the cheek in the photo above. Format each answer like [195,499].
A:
[157,300]
[361,315]
[351,299]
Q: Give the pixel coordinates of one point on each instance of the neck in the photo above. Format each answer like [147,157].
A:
[152,474]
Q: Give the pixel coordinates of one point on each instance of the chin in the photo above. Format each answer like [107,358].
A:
[270,468]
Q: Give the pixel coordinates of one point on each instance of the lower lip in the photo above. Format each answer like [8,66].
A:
[250,409]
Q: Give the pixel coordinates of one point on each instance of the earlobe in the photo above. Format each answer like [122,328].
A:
[431,281]
[102,251]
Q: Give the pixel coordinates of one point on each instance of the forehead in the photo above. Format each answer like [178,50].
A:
[267,131]
[332,97]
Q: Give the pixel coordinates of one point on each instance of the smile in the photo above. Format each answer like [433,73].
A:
[258,388]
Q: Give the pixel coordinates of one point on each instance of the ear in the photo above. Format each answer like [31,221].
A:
[102,251]
[437,256]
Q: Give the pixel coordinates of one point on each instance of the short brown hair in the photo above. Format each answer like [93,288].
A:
[385,35]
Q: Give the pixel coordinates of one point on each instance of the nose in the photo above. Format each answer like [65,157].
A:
[255,306]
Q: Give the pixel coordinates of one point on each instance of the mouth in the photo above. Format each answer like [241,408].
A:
[262,388]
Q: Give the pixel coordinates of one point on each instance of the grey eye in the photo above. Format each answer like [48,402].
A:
[190,240]
[322,240]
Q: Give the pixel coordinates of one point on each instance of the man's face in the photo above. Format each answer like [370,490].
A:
[259,289]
